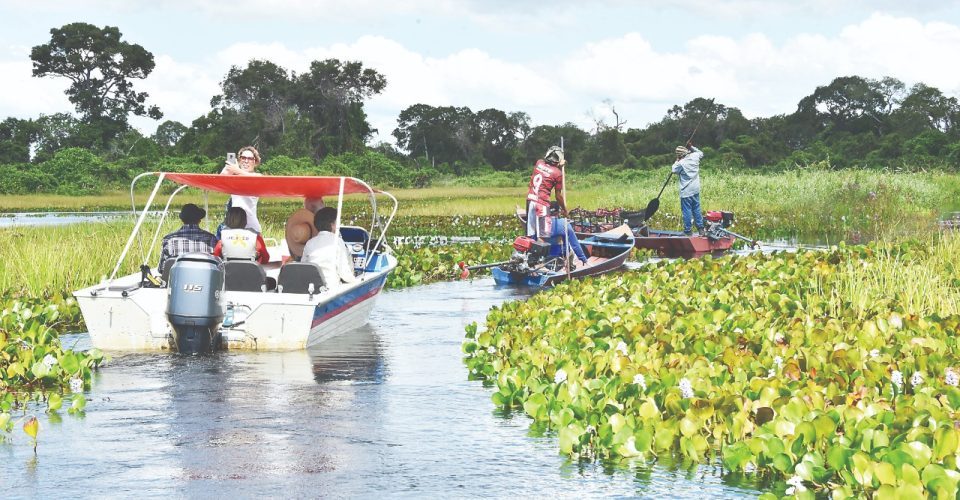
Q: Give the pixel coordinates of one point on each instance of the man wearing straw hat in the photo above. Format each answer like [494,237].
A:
[687,167]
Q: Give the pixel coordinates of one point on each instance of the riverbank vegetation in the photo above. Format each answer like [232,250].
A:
[314,123]
[835,371]
[816,203]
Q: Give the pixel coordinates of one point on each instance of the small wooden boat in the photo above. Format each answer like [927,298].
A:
[671,244]
[677,244]
[543,263]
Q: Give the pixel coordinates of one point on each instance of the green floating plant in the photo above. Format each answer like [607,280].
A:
[763,362]
[34,366]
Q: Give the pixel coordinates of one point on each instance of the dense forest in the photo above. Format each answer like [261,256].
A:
[314,123]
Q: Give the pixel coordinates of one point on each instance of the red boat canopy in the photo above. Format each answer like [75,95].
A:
[271,186]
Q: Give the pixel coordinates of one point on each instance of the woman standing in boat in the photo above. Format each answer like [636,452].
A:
[249,160]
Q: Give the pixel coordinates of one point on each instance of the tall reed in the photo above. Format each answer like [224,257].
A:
[923,280]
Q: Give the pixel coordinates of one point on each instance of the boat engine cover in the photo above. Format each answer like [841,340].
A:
[523,244]
[195,305]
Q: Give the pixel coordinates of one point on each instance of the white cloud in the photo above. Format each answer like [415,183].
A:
[22,95]
[757,76]
[756,72]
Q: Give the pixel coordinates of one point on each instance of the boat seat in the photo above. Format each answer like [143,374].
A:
[244,276]
[296,277]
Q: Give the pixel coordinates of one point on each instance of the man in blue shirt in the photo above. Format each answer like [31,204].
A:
[189,238]
[687,167]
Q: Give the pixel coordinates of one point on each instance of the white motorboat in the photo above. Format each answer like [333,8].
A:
[208,303]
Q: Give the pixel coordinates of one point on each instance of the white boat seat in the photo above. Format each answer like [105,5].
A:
[244,276]
[296,277]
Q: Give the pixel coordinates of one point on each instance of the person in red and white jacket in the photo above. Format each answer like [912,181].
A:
[547,177]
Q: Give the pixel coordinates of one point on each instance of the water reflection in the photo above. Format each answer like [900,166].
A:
[387,411]
[59,218]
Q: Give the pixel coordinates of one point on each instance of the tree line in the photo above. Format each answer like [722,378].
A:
[314,123]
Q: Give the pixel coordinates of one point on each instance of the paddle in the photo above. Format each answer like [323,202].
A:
[654,204]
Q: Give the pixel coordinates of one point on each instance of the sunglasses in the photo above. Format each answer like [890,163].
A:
[247,158]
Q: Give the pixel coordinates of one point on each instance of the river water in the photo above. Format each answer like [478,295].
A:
[384,411]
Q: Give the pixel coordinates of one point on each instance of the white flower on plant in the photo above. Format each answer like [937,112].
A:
[896,321]
[622,347]
[615,319]
[796,485]
[492,350]
[875,353]
[778,361]
[916,379]
[951,377]
[640,380]
[771,373]
[76,384]
[778,338]
[591,429]
[737,330]
[560,377]
[897,378]
[49,361]
[686,389]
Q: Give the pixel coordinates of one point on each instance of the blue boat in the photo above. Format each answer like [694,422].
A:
[544,263]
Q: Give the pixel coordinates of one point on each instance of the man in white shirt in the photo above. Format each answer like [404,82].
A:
[328,250]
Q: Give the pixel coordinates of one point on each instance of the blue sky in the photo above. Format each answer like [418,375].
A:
[558,61]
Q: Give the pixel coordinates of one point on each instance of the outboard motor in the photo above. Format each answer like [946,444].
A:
[195,302]
[527,253]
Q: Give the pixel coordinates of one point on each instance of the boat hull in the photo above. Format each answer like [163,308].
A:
[677,244]
[614,245]
[125,317]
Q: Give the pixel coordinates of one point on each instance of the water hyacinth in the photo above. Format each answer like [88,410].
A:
[796,485]
[639,379]
[819,416]
[76,384]
[897,378]
[560,377]
[951,378]
[49,361]
[916,380]
[622,347]
[686,389]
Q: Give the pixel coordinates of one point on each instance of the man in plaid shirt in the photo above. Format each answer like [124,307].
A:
[189,238]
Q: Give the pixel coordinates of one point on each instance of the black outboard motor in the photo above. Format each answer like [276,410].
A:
[195,302]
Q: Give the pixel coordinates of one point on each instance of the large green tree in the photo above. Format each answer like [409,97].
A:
[100,67]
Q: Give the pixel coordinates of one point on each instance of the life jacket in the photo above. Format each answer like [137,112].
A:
[238,244]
